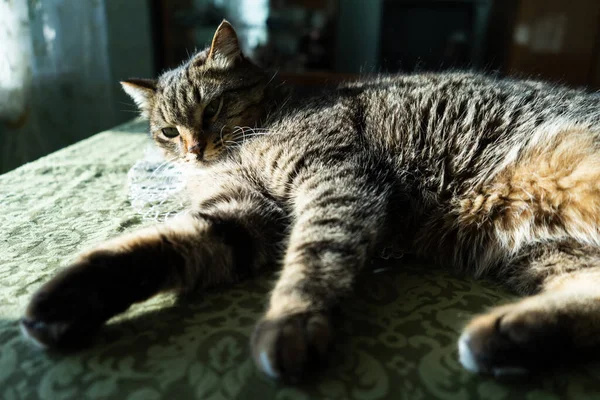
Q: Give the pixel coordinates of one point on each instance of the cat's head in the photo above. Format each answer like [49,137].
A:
[197,111]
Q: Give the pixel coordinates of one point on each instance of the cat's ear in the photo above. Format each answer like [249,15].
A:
[225,48]
[142,92]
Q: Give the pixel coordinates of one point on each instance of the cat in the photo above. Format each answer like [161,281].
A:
[495,176]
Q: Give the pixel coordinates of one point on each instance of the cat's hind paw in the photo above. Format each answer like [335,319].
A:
[513,340]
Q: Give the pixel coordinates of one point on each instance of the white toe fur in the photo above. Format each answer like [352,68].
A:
[465,355]
[266,365]
[30,338]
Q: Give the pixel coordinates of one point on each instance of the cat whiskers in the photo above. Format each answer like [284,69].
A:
[162,166]
[235,138]
[221,135]
[254,132]
[273,77]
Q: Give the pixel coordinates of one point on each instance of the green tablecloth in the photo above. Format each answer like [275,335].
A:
[396,337]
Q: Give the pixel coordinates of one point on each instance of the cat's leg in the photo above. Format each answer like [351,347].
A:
[561,319]
[231,238]
[339,219]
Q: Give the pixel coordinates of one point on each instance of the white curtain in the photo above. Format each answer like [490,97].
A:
[57,80]
[15,65]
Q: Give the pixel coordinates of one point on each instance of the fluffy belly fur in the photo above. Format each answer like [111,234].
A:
[549,193]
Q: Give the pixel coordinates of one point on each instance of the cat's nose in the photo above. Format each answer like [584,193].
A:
[197,149]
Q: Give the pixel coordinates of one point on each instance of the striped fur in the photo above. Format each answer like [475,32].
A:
[494,176]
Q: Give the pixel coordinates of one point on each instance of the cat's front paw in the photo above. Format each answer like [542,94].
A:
[287,347]
[67,310]
[512,340]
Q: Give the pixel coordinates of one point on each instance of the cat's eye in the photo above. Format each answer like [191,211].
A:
[170,132]
[212,110]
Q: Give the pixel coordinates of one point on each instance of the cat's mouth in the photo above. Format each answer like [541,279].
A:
[203,159]
[194,158]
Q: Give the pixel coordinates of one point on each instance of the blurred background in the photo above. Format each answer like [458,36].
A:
[61,60]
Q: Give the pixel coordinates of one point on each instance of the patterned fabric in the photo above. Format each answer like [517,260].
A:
[396,336]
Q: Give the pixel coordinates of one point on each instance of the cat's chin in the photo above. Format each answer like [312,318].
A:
[203,162]
[198,164]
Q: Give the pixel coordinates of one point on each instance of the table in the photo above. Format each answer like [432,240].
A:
[396,337]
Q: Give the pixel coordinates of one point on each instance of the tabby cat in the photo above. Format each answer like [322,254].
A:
[498,177]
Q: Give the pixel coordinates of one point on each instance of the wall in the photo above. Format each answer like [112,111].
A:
[357,35]
[130,50]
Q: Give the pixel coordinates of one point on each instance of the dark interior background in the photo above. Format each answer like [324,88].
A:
[312,40]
